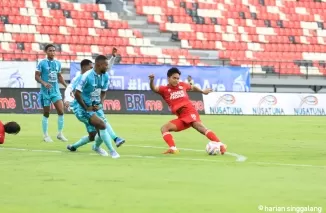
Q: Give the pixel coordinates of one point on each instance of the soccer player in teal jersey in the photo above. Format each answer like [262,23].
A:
[48,74]
[70,102]
[90,93]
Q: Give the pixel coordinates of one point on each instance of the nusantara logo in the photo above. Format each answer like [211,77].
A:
[309,106]
[267,105]
[268,100]
[309,100]
[226,105]
[226,99]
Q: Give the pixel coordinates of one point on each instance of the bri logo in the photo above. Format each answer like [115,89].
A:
[268,100]
[226,99]
[309,100]
[177,94]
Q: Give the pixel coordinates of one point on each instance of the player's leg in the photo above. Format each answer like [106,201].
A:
[82,141]
[118,141]
[193,119]
[79,113]
[88,138]
[45,102]
[172,126]
[100,125]
[199,126]
[58,104]
[203,130]
[96,146]
[93,135]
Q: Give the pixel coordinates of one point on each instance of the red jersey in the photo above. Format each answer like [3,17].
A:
[2,133]
[176,96]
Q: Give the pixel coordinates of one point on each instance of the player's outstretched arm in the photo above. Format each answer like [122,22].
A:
[112,59]
[69,96]
[68,93]
[151,83]
[205,91]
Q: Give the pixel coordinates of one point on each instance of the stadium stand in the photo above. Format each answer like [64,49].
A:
[76,29]
[285,37]
[265,31]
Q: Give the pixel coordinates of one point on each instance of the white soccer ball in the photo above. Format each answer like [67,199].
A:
[213,148]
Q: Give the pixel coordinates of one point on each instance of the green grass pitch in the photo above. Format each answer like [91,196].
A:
[285,167]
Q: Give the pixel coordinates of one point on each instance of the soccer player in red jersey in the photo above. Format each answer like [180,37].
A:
[10,128]
[175,95]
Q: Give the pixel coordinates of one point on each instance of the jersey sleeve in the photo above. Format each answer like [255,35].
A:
[2,133]
[39,66]
[111,63]
[2,138]
[72,82]
[106,83]
[186,86]
[68,96]
[82,83]
[161,89]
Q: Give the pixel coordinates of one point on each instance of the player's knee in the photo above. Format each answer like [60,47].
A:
[91,136]
[101,125]
[166,128]
[60,111]
[163,129]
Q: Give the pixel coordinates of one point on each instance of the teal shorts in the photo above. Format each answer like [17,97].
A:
[47,98]
[84,117]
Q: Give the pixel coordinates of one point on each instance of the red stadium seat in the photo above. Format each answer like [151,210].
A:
[269,36]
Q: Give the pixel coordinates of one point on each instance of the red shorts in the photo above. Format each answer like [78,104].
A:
[185,119]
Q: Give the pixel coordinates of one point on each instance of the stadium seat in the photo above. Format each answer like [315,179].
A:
[240,31]
[282,27]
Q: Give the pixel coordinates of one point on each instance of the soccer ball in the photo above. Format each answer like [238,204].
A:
[213,148]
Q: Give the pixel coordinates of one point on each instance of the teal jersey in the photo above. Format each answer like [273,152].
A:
[76,81]
[49,70]
[91,85]
[74,86]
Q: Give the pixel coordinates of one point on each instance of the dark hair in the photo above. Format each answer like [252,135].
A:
[172,71]
[85,62]
[48,46]
[12,128]
[100,58]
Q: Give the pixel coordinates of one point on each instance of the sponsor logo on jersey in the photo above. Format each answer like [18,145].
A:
[177,94]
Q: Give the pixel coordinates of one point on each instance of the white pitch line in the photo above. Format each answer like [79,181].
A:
[131,156]
[173,158]
[239,158]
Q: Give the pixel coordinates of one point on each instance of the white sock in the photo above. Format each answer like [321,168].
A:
[173,148]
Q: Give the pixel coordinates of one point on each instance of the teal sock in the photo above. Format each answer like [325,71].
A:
[84,140]
[106,139]
[98,141]
[110,131]
[60,123]
[45,125]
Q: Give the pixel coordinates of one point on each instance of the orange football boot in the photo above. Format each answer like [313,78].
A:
[171,151]
[223,148]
